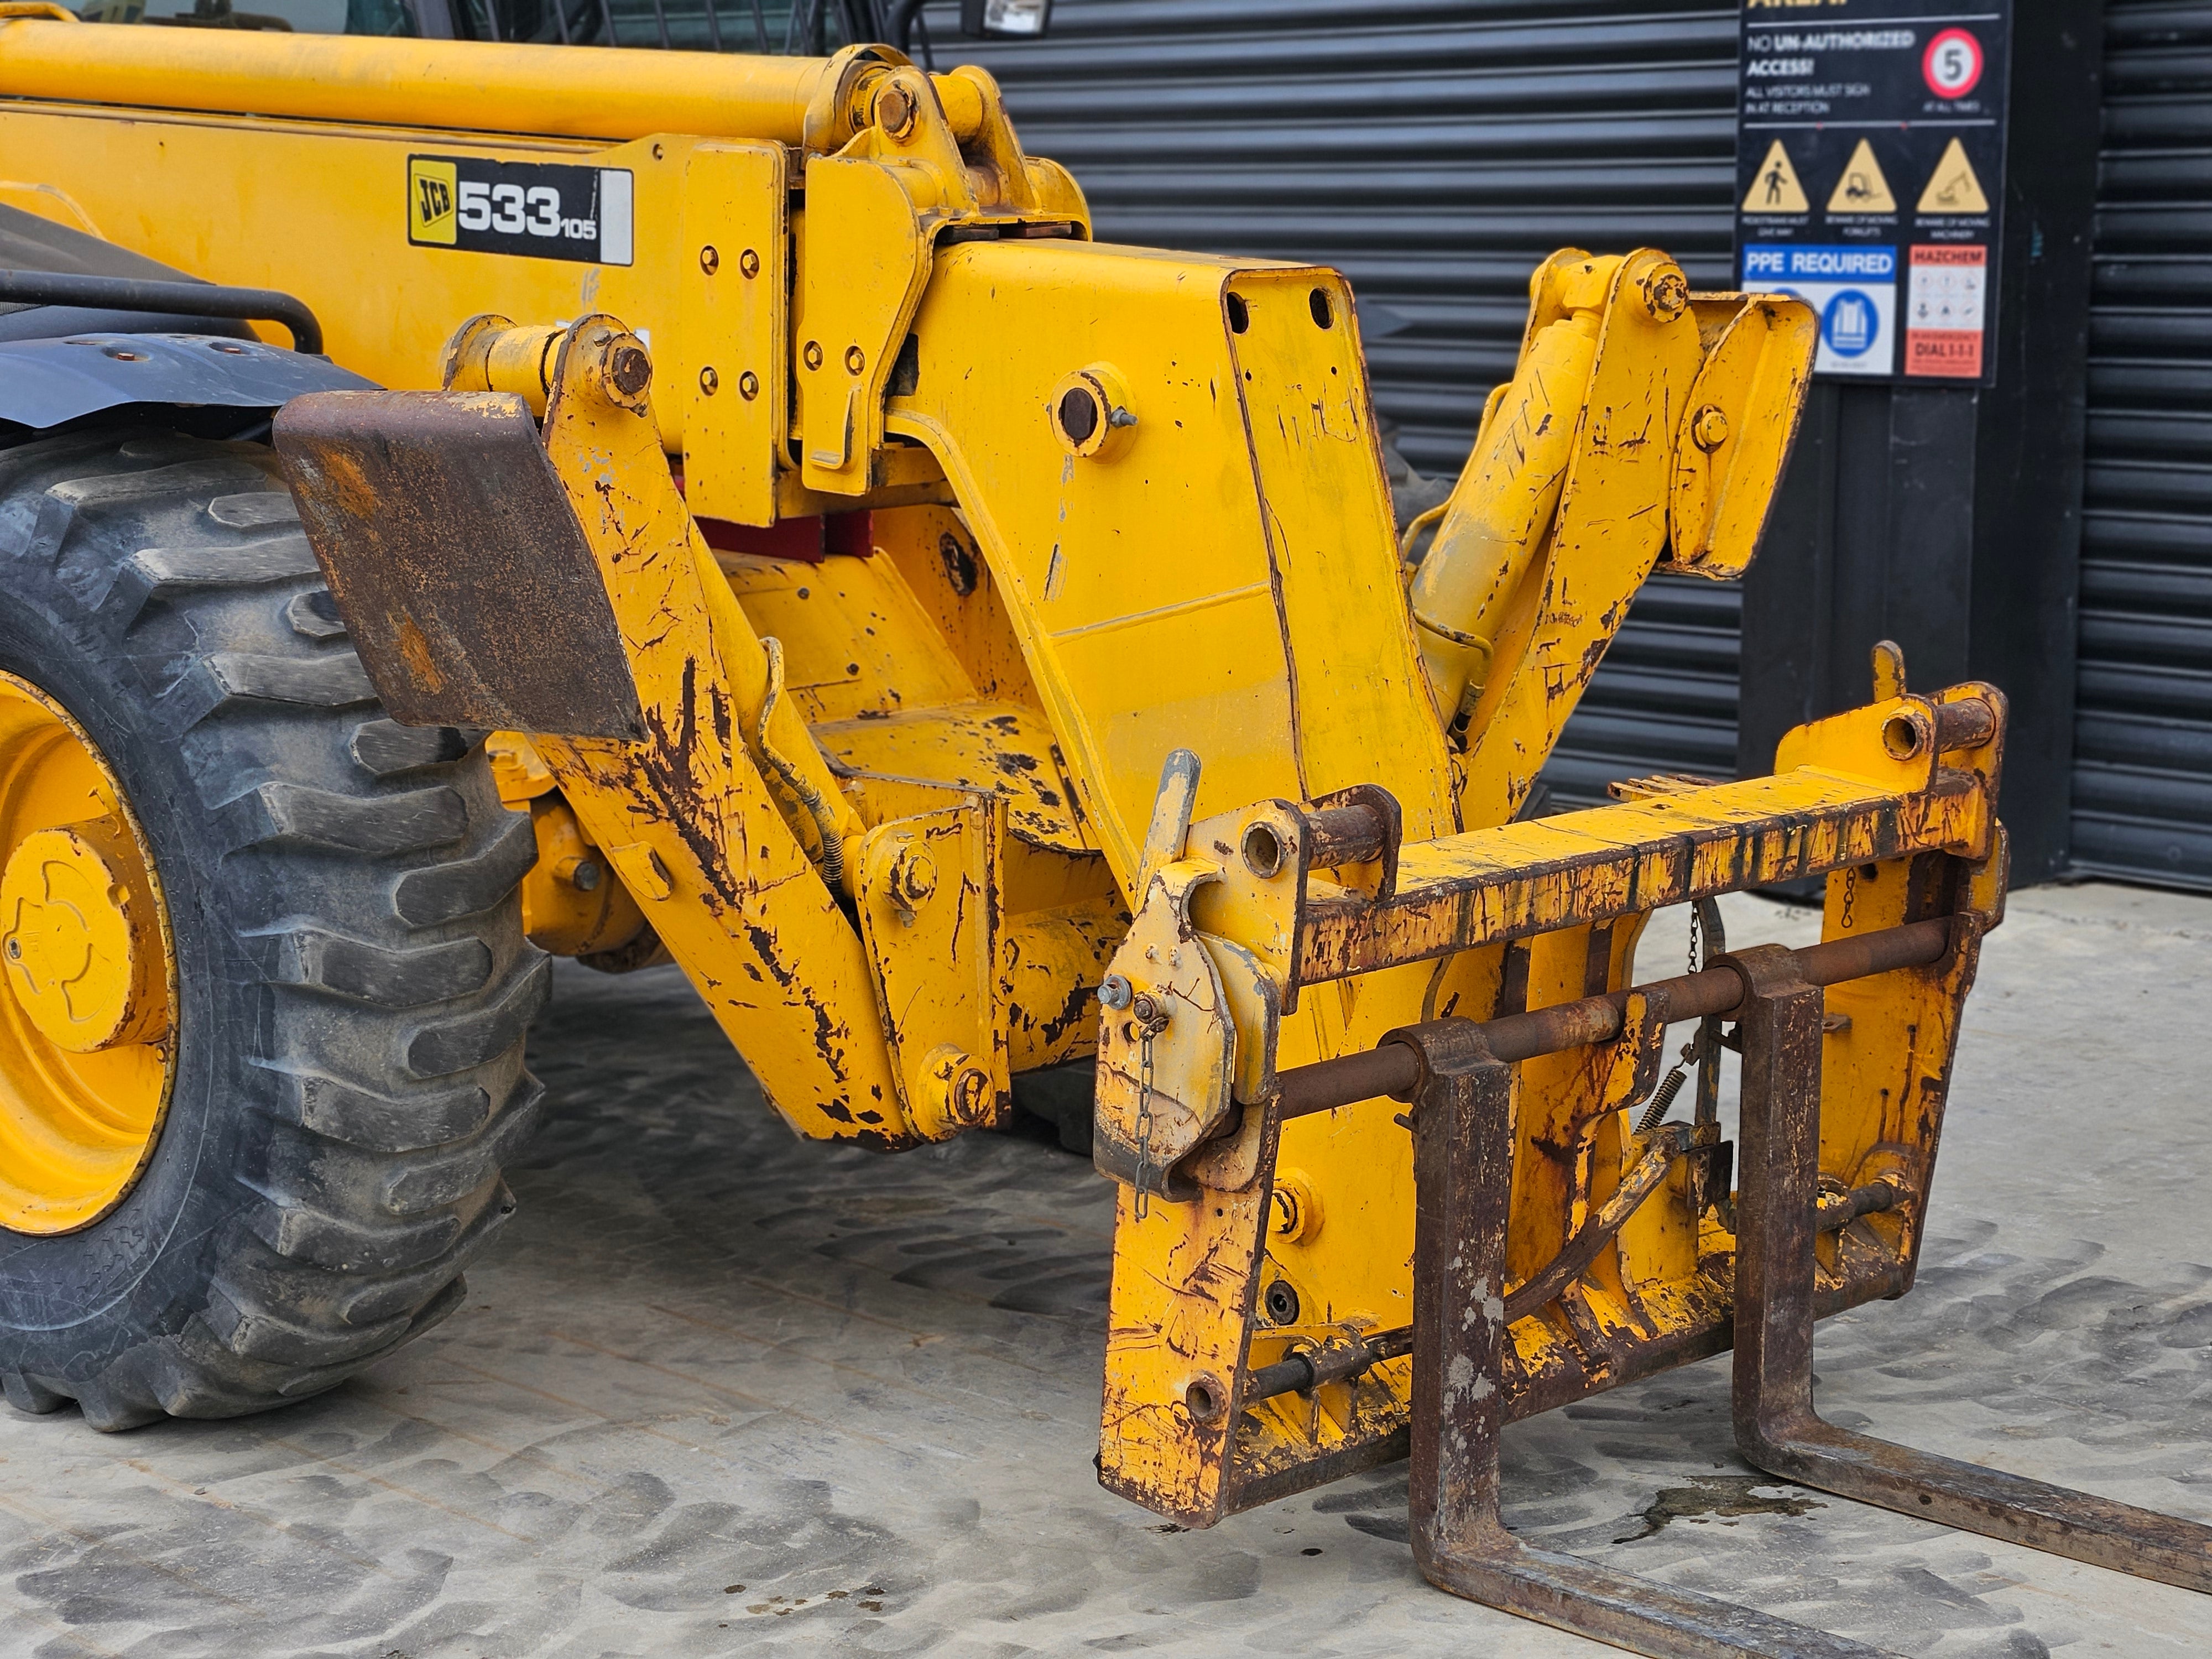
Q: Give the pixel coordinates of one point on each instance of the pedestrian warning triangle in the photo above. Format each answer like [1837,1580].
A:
[1774,187]
[1863,189]
[1953,187]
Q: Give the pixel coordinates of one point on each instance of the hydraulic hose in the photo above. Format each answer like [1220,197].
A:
[817,807]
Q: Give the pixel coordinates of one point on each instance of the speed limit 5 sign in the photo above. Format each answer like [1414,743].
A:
[1953,63]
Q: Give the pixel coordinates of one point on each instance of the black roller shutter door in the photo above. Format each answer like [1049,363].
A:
[2142,780]
[1435,153]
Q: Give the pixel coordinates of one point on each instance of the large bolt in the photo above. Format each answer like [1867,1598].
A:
[894,110]
[629,370]
[1666,295]
[915,877]
[1114,991]
[581,873]
[1709,428]
[1296,1207]
[969,1096]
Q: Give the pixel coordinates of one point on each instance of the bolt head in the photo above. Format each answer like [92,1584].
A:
[856,359]
[748,385]
[749,263]
[970,1094]
[1709,430]
[917,876]
[1114,991]
[630,371]
[709,381]
[1667,295]
[812,354]
[895,111]
[710,259]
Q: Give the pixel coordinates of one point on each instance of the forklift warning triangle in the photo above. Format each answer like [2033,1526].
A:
[1953,187]
[1774,187]
[1863,189]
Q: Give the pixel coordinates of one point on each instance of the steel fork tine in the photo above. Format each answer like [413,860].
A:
[1463,1172]
[1777,1427]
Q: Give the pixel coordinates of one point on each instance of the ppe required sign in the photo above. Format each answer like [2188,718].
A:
[1870,138]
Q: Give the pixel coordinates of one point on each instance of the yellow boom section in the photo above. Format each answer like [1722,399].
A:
[555,92]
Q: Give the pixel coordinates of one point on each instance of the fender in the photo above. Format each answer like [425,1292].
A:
[92,344]
[44,383]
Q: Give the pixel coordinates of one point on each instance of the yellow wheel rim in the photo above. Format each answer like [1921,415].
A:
[86,1050]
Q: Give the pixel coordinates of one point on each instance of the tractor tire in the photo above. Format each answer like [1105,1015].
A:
[350,981]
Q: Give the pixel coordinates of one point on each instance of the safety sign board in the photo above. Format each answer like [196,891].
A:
[1869,172]
[1852,289]
[1862,187]
[1945,310]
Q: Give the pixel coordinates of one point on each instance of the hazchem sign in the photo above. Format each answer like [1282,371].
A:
[1869,164]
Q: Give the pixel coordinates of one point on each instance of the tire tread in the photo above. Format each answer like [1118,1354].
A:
[367,895]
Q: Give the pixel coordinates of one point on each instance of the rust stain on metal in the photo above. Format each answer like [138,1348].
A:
[451,548]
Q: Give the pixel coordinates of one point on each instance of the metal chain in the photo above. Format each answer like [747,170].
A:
[1663,1098]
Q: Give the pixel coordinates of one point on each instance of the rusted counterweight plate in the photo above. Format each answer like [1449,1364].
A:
[457,561]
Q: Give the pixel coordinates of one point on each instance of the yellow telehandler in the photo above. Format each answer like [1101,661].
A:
[730,511]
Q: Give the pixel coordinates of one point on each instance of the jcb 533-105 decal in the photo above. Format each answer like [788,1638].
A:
[539,210]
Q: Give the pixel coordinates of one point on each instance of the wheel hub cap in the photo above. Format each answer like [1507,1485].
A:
[87,1048]
[79,936]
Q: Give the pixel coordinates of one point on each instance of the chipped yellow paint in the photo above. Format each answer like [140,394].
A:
[741,906]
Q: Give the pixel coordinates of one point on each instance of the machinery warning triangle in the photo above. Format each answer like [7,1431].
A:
[1953,187]
[1774,187]
[1863,189]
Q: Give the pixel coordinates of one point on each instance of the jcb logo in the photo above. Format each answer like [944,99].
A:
[431,187]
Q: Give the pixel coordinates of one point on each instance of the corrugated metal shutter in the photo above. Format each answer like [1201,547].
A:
[1435,153]
[2142,780]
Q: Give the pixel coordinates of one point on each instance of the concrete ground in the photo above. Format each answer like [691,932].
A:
[717,1391]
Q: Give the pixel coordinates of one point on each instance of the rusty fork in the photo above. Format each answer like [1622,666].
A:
[1776,1428]
[1463,1183]
[1461,1090]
